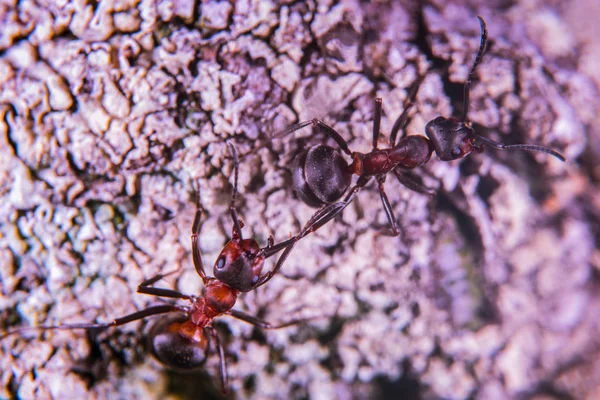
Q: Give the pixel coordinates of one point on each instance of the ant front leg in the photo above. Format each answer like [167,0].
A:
[147,312]
[196,255]
[320,218]
[237,224]
[146,288]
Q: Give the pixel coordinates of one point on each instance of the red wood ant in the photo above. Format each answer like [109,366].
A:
[321,175]
[181,340]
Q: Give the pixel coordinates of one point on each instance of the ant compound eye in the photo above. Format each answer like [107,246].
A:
[457,152]
[221,262]
[255,280]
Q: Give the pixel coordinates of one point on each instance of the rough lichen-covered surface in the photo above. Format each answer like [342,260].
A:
[110,110]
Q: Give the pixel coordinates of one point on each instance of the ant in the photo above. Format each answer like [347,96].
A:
[321,175]
[181,340]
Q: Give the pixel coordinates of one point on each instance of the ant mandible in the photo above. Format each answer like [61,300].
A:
[181,341]
[321,175]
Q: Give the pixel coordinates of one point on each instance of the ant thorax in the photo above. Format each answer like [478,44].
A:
[217,300]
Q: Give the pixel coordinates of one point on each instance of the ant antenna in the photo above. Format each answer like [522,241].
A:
[236,163]
[527,147]
[475,64]
[489,142]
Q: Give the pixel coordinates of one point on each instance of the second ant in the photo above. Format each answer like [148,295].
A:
[182,339]
[321,175]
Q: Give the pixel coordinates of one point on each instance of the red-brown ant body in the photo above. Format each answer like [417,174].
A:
[181,340]
[321,175]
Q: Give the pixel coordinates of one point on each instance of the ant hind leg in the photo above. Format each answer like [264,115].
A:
[222,361]
[407,180]
[147,312]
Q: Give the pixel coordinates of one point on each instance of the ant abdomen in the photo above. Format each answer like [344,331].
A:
[320,175]
[169,346]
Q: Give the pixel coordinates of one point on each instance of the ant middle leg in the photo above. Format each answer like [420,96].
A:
[377,121]
[387,206]
[400,123]
[264,324]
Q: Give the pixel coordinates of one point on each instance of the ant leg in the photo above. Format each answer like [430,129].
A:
[376,122]
[273,249]
[321,215]
[237,227]
[145,288]
[147,312]
[387,206]
[264,324]
[408,103]
[406,180]
[478,58]
[329,131]
[292,129]
[222,362]
[326,129]
[329,212]
[320,218]
[196,256]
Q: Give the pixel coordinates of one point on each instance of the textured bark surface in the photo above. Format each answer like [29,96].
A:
[110,111]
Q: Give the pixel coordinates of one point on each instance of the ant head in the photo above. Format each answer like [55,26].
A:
[239,264]
[173,349]
[451,138]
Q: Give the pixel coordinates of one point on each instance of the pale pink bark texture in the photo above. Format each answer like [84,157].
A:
[110,110]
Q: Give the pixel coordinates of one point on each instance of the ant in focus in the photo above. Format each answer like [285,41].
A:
[181,341]
[321,175]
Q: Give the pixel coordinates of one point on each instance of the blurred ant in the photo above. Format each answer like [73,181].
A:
[180,341]
[321,175]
